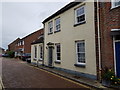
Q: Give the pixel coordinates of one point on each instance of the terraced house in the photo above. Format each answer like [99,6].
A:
[110,35]
[71,39]
[37,50]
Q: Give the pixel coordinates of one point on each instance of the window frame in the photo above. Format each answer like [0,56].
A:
[50,27]
[81,41]
[23,42]
[35,52]
[56,25]
[58,52]
[41,52]
[75,10]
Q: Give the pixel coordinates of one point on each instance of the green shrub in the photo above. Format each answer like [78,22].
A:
[11,54]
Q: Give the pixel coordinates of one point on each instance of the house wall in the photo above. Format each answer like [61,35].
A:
[67,37]
[12,46]
[33,59]
[29,39]
[2,51]
[109,19]
[18,47]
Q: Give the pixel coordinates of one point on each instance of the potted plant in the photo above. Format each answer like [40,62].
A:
[109,78]
[106,76]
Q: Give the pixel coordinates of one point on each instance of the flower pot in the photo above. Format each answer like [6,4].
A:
[106,83]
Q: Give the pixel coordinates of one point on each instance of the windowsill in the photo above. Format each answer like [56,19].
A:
[79,23]
[57,31]
[40,60]
[79,65]
[50,33]
[57,62]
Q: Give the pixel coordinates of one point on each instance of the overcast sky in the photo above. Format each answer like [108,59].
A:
[18,19]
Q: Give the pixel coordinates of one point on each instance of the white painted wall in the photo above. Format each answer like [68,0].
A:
[67,37]
[38,53]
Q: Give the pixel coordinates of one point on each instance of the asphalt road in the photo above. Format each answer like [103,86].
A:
[18,74]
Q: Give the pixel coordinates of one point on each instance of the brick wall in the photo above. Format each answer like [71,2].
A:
[29,39]
[109,19]
[12,46]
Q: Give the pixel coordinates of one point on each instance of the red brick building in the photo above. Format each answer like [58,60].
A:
[110,35]
[2,51]
[31,38]
[11,46]
[24,44]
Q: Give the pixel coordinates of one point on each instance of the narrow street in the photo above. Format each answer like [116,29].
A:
[18,74]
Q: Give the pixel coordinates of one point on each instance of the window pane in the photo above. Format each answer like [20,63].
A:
[50,27]
[81,57]
[81,18]
[58,58]
[80,14]
[80,11]
[58,48]
[58,52]
[35,52]
[117,2]
[57,22]
[81,52]
[41,52]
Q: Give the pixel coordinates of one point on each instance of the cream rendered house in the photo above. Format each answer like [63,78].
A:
[37,51]
[69,42]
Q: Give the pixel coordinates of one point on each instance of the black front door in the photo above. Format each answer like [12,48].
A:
[50,56]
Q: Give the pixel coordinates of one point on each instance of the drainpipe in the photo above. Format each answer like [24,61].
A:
[99,43]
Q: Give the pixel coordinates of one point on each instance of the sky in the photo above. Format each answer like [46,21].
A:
[20,18]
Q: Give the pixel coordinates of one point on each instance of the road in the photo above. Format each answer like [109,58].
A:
[18,74]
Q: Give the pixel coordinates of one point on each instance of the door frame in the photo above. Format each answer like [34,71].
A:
[49,56]
[114,41]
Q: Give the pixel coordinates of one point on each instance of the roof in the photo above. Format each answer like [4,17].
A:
[1,48]
[15,41]
[32,33]
[40,40]
[65,8]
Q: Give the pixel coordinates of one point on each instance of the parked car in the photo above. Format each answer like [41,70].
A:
[25,56]
[5,55]
[28,60]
